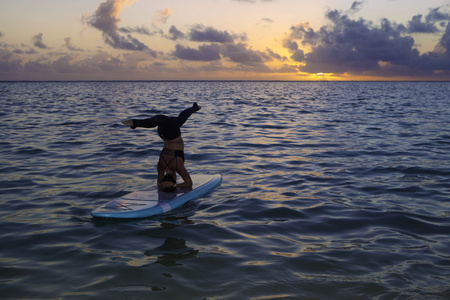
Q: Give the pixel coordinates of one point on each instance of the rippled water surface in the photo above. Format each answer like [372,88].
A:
[330,191]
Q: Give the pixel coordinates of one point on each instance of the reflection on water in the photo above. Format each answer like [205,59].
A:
[171,252]
[330,190]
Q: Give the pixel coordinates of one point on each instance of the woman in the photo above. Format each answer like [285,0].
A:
[171,159]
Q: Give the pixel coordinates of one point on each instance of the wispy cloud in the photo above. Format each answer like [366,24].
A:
[139,29]
[70,46]
[267,20]
[161,16]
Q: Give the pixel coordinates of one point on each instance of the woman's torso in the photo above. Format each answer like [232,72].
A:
[175,144]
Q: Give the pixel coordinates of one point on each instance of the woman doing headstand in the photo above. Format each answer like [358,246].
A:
[171,159]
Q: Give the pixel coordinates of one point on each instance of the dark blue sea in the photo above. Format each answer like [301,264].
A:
[331,190]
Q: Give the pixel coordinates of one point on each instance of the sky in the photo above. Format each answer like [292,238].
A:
[224,40]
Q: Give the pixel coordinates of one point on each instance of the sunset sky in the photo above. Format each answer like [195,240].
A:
[224,40]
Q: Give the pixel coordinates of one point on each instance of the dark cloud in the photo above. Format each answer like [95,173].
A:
[297,54]
[445,40]
[239,53]
[203,53]
[205,34]
[127,42]
[38,41]
[106,20]
[358,46]
[356,6]
[209,34]
[436,15]
[246,59]
[1,34]
[175,34]
[26,51]
[416,25]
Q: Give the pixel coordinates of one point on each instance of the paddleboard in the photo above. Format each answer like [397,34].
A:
[153,201]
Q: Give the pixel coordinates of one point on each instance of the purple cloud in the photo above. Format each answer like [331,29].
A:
[106,20]
[209,34]
[358,46]
[175,34]
[203,53]
[38,41]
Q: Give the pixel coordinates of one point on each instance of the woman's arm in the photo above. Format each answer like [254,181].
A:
[185,176]
[146,123]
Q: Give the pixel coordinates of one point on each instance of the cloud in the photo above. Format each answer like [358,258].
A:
[432,21]
[66,64]
[267,20]
[203,53]
[106,20]
[1,34]
[209,34]
[161,16]
[38,41]
[238,53]
[175,34]
[416,25]
[56,66]
[138,29]
[9,61]
[37,66]
[356,6]
[246,59]
[358,46]
[445,41]
[70,46]
[200,33]
[276,56]
[19,49]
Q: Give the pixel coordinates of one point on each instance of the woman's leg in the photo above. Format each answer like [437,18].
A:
[185,114]
[150,122]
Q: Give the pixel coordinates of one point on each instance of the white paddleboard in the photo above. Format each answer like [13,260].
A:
[153,201]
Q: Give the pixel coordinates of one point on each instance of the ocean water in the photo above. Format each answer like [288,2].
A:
[331,190]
